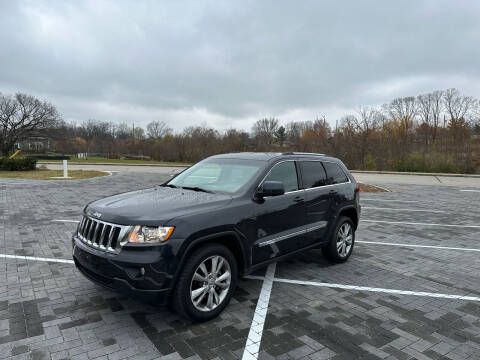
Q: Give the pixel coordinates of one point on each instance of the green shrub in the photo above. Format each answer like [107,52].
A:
[432,162]
[49,157]
[369,162]
[17,164]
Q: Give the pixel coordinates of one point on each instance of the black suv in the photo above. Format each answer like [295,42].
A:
[185,242]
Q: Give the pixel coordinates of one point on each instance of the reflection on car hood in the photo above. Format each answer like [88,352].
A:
[154,206]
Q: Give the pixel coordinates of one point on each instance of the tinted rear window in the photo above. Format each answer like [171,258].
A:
[335,174]
[313,174]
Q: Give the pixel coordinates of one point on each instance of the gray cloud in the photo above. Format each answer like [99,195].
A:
[229,63]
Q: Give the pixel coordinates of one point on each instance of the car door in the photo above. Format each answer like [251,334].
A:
[339,182]
[279,221]
[318,201]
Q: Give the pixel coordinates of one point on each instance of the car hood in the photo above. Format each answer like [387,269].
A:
[155,206]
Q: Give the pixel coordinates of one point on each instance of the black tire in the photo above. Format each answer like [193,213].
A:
[182,296]
[331,251]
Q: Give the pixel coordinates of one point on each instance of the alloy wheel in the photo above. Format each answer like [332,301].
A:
[210,283]
[344,239]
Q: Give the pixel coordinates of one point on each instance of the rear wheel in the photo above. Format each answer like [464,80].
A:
[341,244]
[206,283]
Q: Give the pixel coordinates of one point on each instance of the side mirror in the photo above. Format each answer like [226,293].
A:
[272,188]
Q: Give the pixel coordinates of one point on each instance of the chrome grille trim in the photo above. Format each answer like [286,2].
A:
[102,235]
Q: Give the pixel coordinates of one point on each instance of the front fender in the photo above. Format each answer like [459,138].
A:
[204,237]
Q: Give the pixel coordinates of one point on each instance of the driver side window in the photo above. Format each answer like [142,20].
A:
[285,172]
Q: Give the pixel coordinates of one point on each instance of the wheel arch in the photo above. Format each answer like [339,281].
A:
[229,239]
[350,212]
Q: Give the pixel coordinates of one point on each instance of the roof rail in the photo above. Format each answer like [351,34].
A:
[302,153]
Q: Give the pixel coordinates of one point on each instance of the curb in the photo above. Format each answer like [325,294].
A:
[414,173]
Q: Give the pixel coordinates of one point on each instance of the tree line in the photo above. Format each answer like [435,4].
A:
[438,131]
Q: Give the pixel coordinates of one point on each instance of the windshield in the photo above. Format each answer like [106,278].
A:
[218,175]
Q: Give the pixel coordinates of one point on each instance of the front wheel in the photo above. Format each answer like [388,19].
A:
[206,283]
[341,244]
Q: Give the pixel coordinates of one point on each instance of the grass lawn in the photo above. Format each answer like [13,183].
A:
[117,161]
[42,174]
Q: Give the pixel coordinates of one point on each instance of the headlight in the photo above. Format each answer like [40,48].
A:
[149,234]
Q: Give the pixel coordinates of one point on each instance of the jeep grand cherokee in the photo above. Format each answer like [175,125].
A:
[185,242]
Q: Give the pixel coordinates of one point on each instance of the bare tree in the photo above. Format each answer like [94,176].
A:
[295,130]
[201,141]
[235,140]
[21,116]
[264,130]
[158,129]
[459,106]
[437,109]
[425,111]
[138,133]
[343,145]
[461,110]
[425,108]
[97,132]
[369,117]
[366,124]
[123,131]
[404,111]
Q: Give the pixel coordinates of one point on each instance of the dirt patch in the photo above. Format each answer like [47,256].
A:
[371,188]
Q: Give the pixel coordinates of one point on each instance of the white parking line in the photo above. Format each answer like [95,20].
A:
[62,220]
[393,209]
[388,200]
[471,190]
[414,245]
[254,339]
[35,258]
[370,289]
[422,224]
[258,321]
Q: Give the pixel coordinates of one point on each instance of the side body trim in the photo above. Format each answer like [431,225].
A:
[312,227]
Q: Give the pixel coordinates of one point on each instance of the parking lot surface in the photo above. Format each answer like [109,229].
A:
[411,289]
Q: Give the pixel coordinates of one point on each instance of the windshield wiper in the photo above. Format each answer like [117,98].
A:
[196,188]
[171,186]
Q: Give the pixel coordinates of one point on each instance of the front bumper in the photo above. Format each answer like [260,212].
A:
[142,273]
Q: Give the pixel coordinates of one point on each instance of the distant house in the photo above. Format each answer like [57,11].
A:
[33,143]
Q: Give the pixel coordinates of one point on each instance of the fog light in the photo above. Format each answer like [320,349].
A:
[142,271]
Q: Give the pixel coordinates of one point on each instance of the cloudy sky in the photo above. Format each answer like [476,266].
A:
[226,64]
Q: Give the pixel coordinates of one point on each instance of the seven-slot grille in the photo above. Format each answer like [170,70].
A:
[100,234]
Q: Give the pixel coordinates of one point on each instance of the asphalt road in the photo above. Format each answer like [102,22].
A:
[163,170]
[372,178]
[411,289]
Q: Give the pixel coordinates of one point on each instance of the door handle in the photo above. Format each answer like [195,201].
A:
[333,192]
[298,199]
